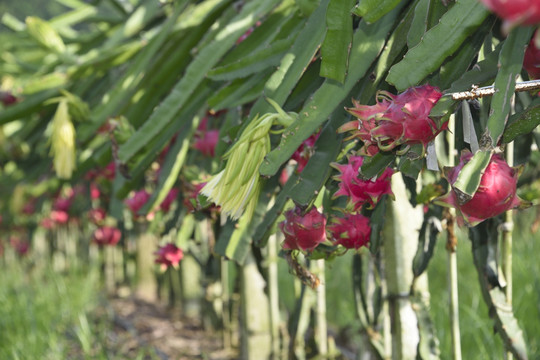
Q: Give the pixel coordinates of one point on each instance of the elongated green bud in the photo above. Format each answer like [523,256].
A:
[63,142]
[236,188]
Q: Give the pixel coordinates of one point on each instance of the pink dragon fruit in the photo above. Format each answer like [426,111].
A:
[531,60]
[206,140]
[395,120]
[7,98]
[137,201]
[19,244]
[352,231]
[303,231]
[106,235]
[59,217]
[304,151]
[165,205]
[515,12]
[495,195]
[191,192]
[97,216]
[301,156]
[168,255]
[358,190]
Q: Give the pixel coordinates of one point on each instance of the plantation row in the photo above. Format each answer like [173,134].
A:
[192,147]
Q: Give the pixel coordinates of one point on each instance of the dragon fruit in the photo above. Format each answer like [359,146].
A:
[7,98]
[303,231]
[495,195]
[137,201]
[168,255]
[97,216]
[304,151]
[358,190]
[207,142]
[169,199]
[531,60]
[395,120]
[352,231]
[106,235]
[515,12]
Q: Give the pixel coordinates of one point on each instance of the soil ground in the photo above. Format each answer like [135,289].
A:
[162,333]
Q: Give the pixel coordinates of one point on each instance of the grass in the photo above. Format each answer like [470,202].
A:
[43,314]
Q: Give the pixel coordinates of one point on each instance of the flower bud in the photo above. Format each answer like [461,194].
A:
[236,189]
[63,142]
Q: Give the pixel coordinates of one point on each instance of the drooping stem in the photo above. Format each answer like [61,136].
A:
[451,246]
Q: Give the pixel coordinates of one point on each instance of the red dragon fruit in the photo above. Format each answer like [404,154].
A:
[59,217]
[301,156]
[137,201]
[7,98]
[168,255]
[165,205]
[206,140]
[358,190]
[106,235]
[515,12]
[495,195]
[97,216]
[304,152]
[352,231]
[303,231]
[531,60]
[395,120]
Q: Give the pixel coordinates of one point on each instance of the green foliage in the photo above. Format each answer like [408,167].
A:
[438,43]
[337,42]
[510,62]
